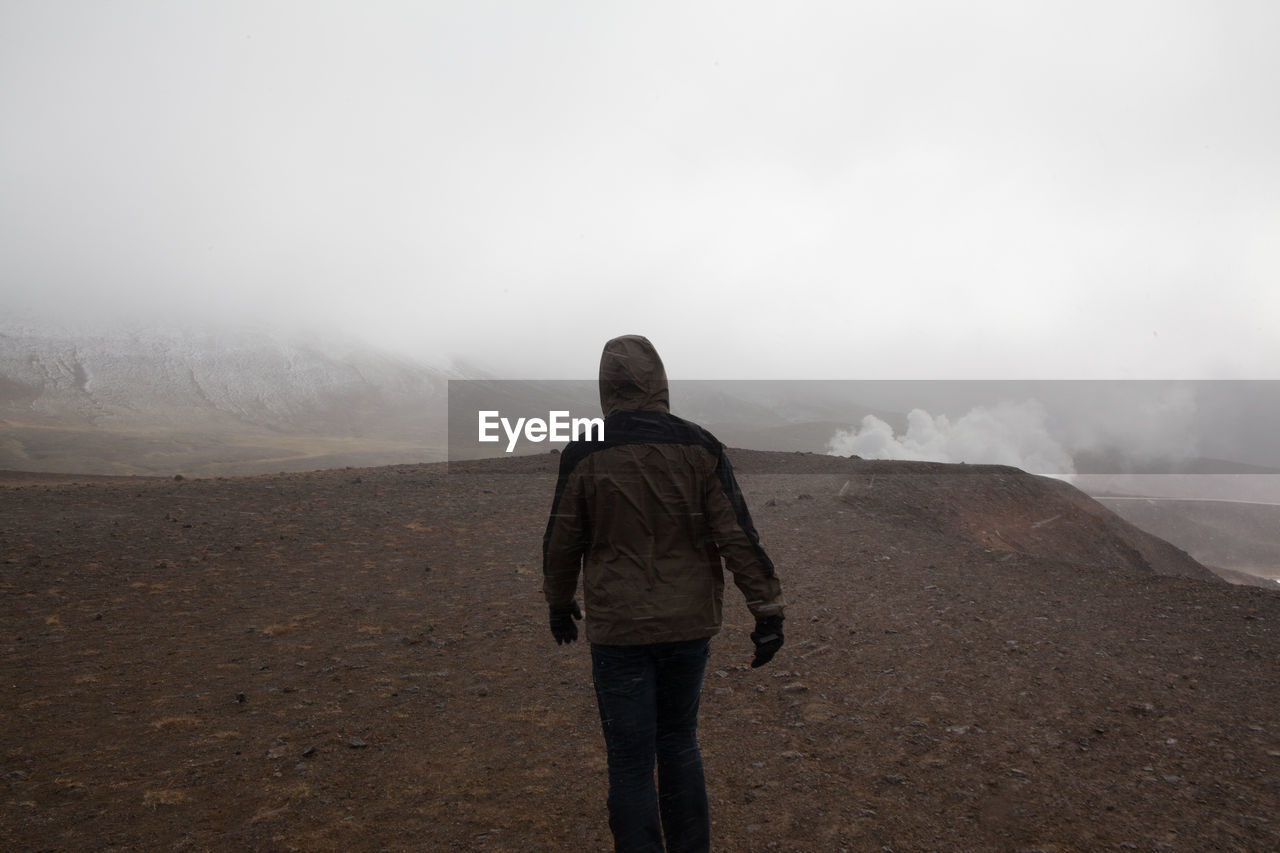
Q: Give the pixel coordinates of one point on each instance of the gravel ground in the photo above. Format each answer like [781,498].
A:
[358,659]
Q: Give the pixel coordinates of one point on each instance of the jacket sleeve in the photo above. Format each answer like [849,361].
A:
[566,538]
[739,544]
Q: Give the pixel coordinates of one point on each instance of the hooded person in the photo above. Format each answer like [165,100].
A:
[649,515]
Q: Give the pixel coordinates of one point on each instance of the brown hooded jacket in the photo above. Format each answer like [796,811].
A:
[647,514]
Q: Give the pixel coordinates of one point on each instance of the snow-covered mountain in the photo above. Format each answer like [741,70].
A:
[65,393]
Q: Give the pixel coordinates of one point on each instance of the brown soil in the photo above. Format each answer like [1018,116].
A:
[358,659]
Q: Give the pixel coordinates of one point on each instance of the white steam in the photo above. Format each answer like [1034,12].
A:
[1147,421]
[1006,433]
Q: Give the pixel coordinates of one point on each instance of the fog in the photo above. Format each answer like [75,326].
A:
[815,190]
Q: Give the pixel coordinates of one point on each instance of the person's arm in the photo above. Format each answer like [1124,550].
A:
[739,547]
[566,539]
[739,544]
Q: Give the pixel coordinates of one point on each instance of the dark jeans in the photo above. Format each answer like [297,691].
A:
[648,697]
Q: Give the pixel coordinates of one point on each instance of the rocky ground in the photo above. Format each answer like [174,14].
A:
[358,659]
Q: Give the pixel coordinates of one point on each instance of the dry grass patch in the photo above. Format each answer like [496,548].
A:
[165,797]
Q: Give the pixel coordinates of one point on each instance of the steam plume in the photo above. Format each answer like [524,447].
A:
[1007,433]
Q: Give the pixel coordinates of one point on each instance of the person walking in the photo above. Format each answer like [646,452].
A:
[649,515]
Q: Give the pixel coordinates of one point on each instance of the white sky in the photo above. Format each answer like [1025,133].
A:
[766,189]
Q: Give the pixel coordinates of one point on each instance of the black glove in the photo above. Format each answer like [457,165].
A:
[768,639]
[562,627]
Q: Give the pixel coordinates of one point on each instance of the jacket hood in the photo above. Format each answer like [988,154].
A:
[632,377]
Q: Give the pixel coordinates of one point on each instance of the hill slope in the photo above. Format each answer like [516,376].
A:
[1244,537]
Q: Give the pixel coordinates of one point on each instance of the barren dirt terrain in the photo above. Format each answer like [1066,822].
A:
[1237,540]
[358,659]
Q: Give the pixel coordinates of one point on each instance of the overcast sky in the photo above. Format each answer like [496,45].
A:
[765,189]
